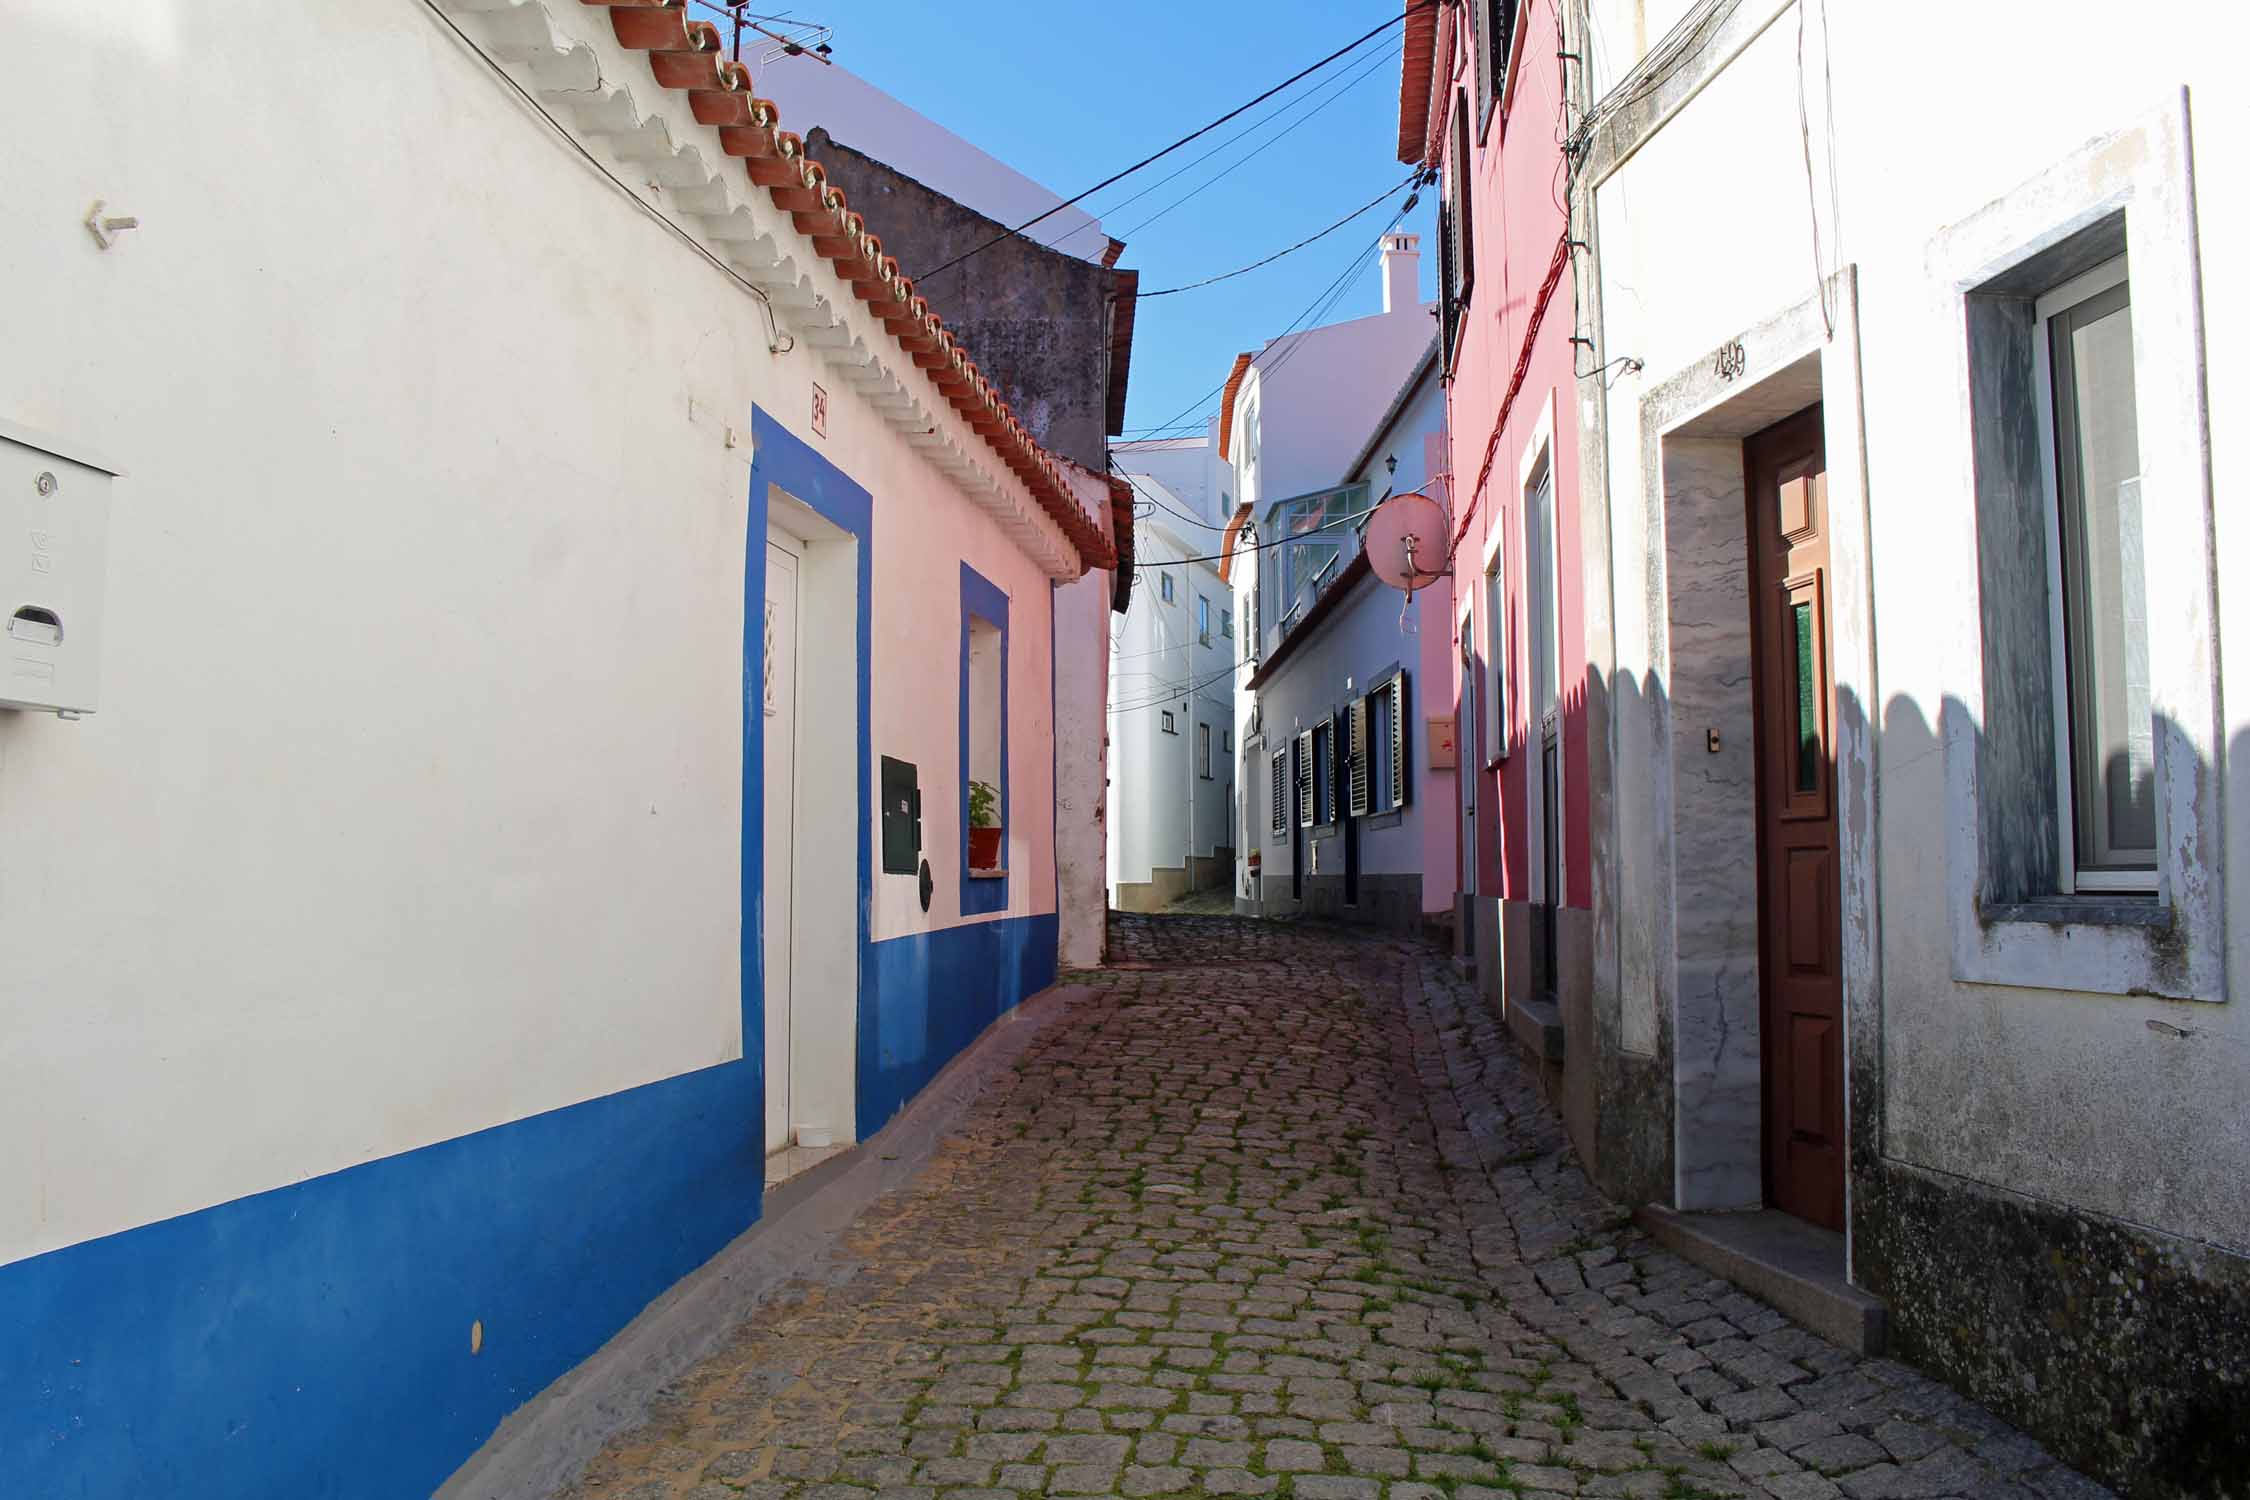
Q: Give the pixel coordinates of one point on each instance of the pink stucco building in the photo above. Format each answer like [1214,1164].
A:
[1480,96]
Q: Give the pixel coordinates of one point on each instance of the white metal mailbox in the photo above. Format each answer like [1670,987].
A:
[54,556]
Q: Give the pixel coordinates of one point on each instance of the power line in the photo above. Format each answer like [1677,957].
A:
[1237,111]
[779,342]
[1325,298]
[1279,541]
[1134,481]
[1350,82]
[1301,244]
[1247,131]
[1187,692]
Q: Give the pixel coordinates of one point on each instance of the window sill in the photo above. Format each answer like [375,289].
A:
[1390,818]
[1000,874]
[2081,911]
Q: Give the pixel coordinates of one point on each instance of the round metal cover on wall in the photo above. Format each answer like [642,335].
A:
[928,885]
[1405,541]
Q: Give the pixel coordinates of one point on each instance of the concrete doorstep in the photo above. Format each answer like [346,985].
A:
[1795,1267]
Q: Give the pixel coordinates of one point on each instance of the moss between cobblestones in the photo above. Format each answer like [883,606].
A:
[1309,1150]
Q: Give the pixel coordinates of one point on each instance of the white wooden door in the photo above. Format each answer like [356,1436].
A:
[781,829]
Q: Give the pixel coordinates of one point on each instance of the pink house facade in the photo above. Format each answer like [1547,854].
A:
[1480,95]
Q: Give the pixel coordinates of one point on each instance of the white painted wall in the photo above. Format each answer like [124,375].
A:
[414,802]
[870,121]
[2078,1098]
[1159,663]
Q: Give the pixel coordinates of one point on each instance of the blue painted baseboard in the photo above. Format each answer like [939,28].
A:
[313,1341]
[933,993]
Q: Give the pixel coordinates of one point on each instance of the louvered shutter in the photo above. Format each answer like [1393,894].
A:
[1304,780]
[1449,306]
[1399,777]
[1361,773]
[1279,817]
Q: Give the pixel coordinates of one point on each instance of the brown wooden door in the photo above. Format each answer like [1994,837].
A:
[1801,1002]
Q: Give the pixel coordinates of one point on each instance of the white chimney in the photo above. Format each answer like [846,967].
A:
[1402,272]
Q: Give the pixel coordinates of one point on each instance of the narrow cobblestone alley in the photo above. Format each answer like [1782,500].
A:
[1276,1211]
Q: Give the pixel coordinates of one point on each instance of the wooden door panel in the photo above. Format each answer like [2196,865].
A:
[1809,877]
[1799,928]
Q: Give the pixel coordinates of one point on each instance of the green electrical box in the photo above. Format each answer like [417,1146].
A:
[902,817]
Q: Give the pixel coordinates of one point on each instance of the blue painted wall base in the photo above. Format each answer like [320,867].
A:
[933,994]
[313,1341]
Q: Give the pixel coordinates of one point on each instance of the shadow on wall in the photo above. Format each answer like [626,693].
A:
[2077,1327]
[2070,1324]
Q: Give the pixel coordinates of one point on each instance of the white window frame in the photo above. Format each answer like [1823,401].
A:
[2080,944]
[1495,668]
[1166,722]
[2070,878]
[1203,619]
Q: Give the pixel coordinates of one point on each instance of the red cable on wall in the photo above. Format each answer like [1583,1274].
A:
[1515,384]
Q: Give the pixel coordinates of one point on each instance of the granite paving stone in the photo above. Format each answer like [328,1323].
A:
[1276,1209]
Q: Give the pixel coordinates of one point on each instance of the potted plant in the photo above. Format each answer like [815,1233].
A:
[984,826]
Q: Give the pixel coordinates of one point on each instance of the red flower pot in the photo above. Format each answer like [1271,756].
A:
[984,848]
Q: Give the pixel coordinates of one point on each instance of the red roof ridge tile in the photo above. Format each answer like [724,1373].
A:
[683,55]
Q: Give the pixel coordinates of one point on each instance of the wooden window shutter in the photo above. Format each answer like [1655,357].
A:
[1499,37]
[1304,780]
[1449,309]
[1464,222]
[1278,817]
[1361,773]
[1399,777]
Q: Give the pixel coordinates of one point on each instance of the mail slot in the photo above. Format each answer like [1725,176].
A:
[54,535]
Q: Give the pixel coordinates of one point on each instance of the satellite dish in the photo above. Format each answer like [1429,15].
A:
[1406,541]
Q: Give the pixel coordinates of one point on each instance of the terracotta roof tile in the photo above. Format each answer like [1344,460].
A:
[684,54]
[1226,400]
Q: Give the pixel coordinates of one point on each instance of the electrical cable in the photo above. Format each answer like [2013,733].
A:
[1351,82]
[1301,244]
[1135,481]
[1199,132]
[1188,692]
[778,342]
[1326,297]
[1247,131]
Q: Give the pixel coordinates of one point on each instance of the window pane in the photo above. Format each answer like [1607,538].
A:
[2106,607]
[1808,701]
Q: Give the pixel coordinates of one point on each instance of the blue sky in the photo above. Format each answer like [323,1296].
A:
[1067,92]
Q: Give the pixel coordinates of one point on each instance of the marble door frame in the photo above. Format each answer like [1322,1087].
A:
[1701,892]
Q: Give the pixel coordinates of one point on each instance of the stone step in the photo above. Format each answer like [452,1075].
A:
[1795,1267]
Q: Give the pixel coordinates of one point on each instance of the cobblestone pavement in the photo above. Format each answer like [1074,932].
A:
[1277,1212]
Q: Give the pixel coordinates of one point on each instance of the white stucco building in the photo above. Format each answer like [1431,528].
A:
[1173,675]
[556,590]
[1921,827]
[1345,806]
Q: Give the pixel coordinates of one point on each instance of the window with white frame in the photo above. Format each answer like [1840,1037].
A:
[1543,647]
[1226,623]
[1496,660]
[1203,619]
[2097,584]
[2085,781]
[1167,723]
[1164,586]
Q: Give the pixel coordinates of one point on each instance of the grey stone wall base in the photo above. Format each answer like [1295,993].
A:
[2126,1352]
[547,1442]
